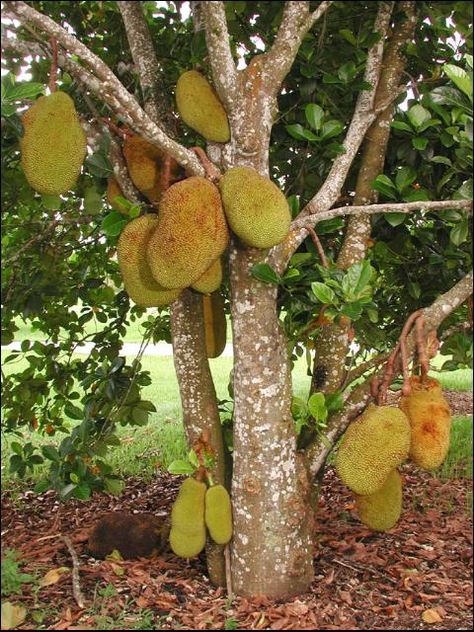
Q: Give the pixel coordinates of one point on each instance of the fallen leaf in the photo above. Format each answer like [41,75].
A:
[118,570]
[431,616]
[12,616]
[53,576]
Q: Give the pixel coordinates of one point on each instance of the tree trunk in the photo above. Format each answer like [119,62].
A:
[272,547]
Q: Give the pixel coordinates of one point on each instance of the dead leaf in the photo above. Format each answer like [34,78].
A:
[117,569]
[431,616]
[12,616]
[53,576]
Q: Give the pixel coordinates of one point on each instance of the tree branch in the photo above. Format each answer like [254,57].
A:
[146,62]
[357,400]
[224,71]
[108,88]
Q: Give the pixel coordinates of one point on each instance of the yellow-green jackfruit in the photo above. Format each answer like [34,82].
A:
[215,324]
[211,279]
[218,514]
[191,233]
[148,169]
[188,529]
[200,107]
[137,278]
[113,190]
[373,445]
[430,421]
[256,209]
[381,510]
[54,145]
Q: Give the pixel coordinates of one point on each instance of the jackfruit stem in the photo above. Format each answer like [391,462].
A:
[53,72]
[212,172]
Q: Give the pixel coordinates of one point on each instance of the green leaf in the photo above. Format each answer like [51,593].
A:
[347,72]
[330,129]
[323,293]
[404,127]
[352,310]
[334,402]
[180,467]
[383,184]
[193,458]
[419,143]
[99,165]
[314,115]
[82,492]
[445,95]
[459,233]
[113,223]
[92,201]
[348,36]
[114,486]
[317,407]
[296,131]
[395,219]
[74,412]
[417,115]
[442,160]
[51,202]
[405,176]
[265,273]
[329,225]
[460,78]
[139,416]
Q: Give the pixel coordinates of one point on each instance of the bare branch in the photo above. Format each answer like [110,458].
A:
[296,22]
[144,57]
[108,88]
[357,400]
[224,71]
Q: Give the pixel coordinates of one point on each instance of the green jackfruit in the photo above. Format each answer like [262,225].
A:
[186,545]
[191,233]
[211,279]
[188,529]
[218,514]
[54,145]
[200,107]
[215,324]
[256,209]
[381,510]
[430,421]
[137,278]
[373,445]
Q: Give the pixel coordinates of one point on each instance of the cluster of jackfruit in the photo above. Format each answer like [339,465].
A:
[195,508]
[373,445]
[430,421]
[53,146]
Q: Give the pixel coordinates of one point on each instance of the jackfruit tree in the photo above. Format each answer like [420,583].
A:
[305,164]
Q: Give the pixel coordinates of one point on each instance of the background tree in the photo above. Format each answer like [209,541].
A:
[344,105]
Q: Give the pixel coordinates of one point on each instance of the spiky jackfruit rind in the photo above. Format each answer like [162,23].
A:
[211,279]
[218,514]
[191,233]
[53,146]
[430,421]
[114,190]
[256,209]
[381,510]
[136,274]
[373,445]
[188,529]
[215,324]
[200,107]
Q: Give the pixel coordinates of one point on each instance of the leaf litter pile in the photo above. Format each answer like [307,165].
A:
[416,576]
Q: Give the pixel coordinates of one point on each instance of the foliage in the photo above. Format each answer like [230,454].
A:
[12,577]
[60,271]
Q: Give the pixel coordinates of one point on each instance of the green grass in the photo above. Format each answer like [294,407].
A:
[458,463]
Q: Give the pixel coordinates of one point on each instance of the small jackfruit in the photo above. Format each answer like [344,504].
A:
[256,209]
[113,190]
[54,145]
[218,514]
[187,545]
[211,279]
[147,169]
[430,420]
[215,324]
[137,278]
[188,530]
[200,107]
[191,233]
[382,509]
[373,445]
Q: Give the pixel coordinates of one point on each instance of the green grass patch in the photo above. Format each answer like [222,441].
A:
[458,462]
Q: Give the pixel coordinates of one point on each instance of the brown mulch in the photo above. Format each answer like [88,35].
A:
[363,580]
[460,402]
